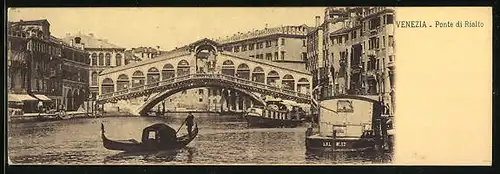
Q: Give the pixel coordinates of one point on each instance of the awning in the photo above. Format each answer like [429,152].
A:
[20,97]
[42,97]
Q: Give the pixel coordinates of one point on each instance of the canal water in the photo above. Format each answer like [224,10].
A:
[221,140]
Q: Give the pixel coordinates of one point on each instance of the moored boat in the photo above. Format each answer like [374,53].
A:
[154,138]
[350,124]
[276,113]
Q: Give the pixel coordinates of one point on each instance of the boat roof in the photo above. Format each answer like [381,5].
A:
[159,126]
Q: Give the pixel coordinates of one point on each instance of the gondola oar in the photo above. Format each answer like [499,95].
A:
[180,127]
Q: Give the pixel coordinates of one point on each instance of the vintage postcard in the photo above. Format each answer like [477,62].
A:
[249,86]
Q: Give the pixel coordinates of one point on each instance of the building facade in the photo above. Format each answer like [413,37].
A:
[286,45]
[102,55]
[76,76]
[315,49]
[358,54]
[37,69]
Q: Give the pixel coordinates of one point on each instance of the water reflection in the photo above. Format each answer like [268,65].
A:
[152,157]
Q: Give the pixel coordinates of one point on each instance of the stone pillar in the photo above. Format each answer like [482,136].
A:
[295,83]
[65,94]
[245,104]
[223,100]
[237,102]
[231,101]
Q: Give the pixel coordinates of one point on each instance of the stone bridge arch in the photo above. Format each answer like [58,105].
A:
[153,100]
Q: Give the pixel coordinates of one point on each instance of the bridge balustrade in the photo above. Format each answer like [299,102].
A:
[121,92]
[188,77]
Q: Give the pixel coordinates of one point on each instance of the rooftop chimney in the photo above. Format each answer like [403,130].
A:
[317,21]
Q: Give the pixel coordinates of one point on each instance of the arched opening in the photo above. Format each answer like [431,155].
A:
[303,86]
[69,99]
[272,77]
[76,102]
[118,59]
[138,79]
[168,72]
[228,67]
[258,75]
[243,71]
[82,95]
[372,85]
[94,59]
[288,82]
[94,77]
[183,68]
[153,76]
[107,86]
[154,100]
[78,40]
[122,83]
[205,58]
[108,59]
[101,59]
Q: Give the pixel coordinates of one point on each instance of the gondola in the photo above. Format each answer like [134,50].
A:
[157,137]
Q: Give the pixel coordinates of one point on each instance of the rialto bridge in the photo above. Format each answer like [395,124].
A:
[204,64]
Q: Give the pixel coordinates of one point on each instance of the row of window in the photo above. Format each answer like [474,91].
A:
[377,21]
[374,42]
[73,74]
[371,24]
[269,56]
[43,47]
[258,45]
[107,61]
[75,56]
[47,86]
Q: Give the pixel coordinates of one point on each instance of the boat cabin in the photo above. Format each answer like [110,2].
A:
[159,135]
[350,117]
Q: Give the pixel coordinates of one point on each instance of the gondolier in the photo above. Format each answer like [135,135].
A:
[189,123]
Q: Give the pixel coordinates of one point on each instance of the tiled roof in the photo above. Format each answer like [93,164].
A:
[30,22]
[145,49]
[91,41]
[289,66]
[294,30]
[165,56]
[340,31]
[185,50]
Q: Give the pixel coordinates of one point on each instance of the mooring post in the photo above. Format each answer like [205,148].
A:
[334,137]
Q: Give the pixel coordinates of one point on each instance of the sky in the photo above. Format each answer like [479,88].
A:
[164,27]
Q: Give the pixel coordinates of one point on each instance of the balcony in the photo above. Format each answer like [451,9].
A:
[372,73]
[371,52]
[391,62]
